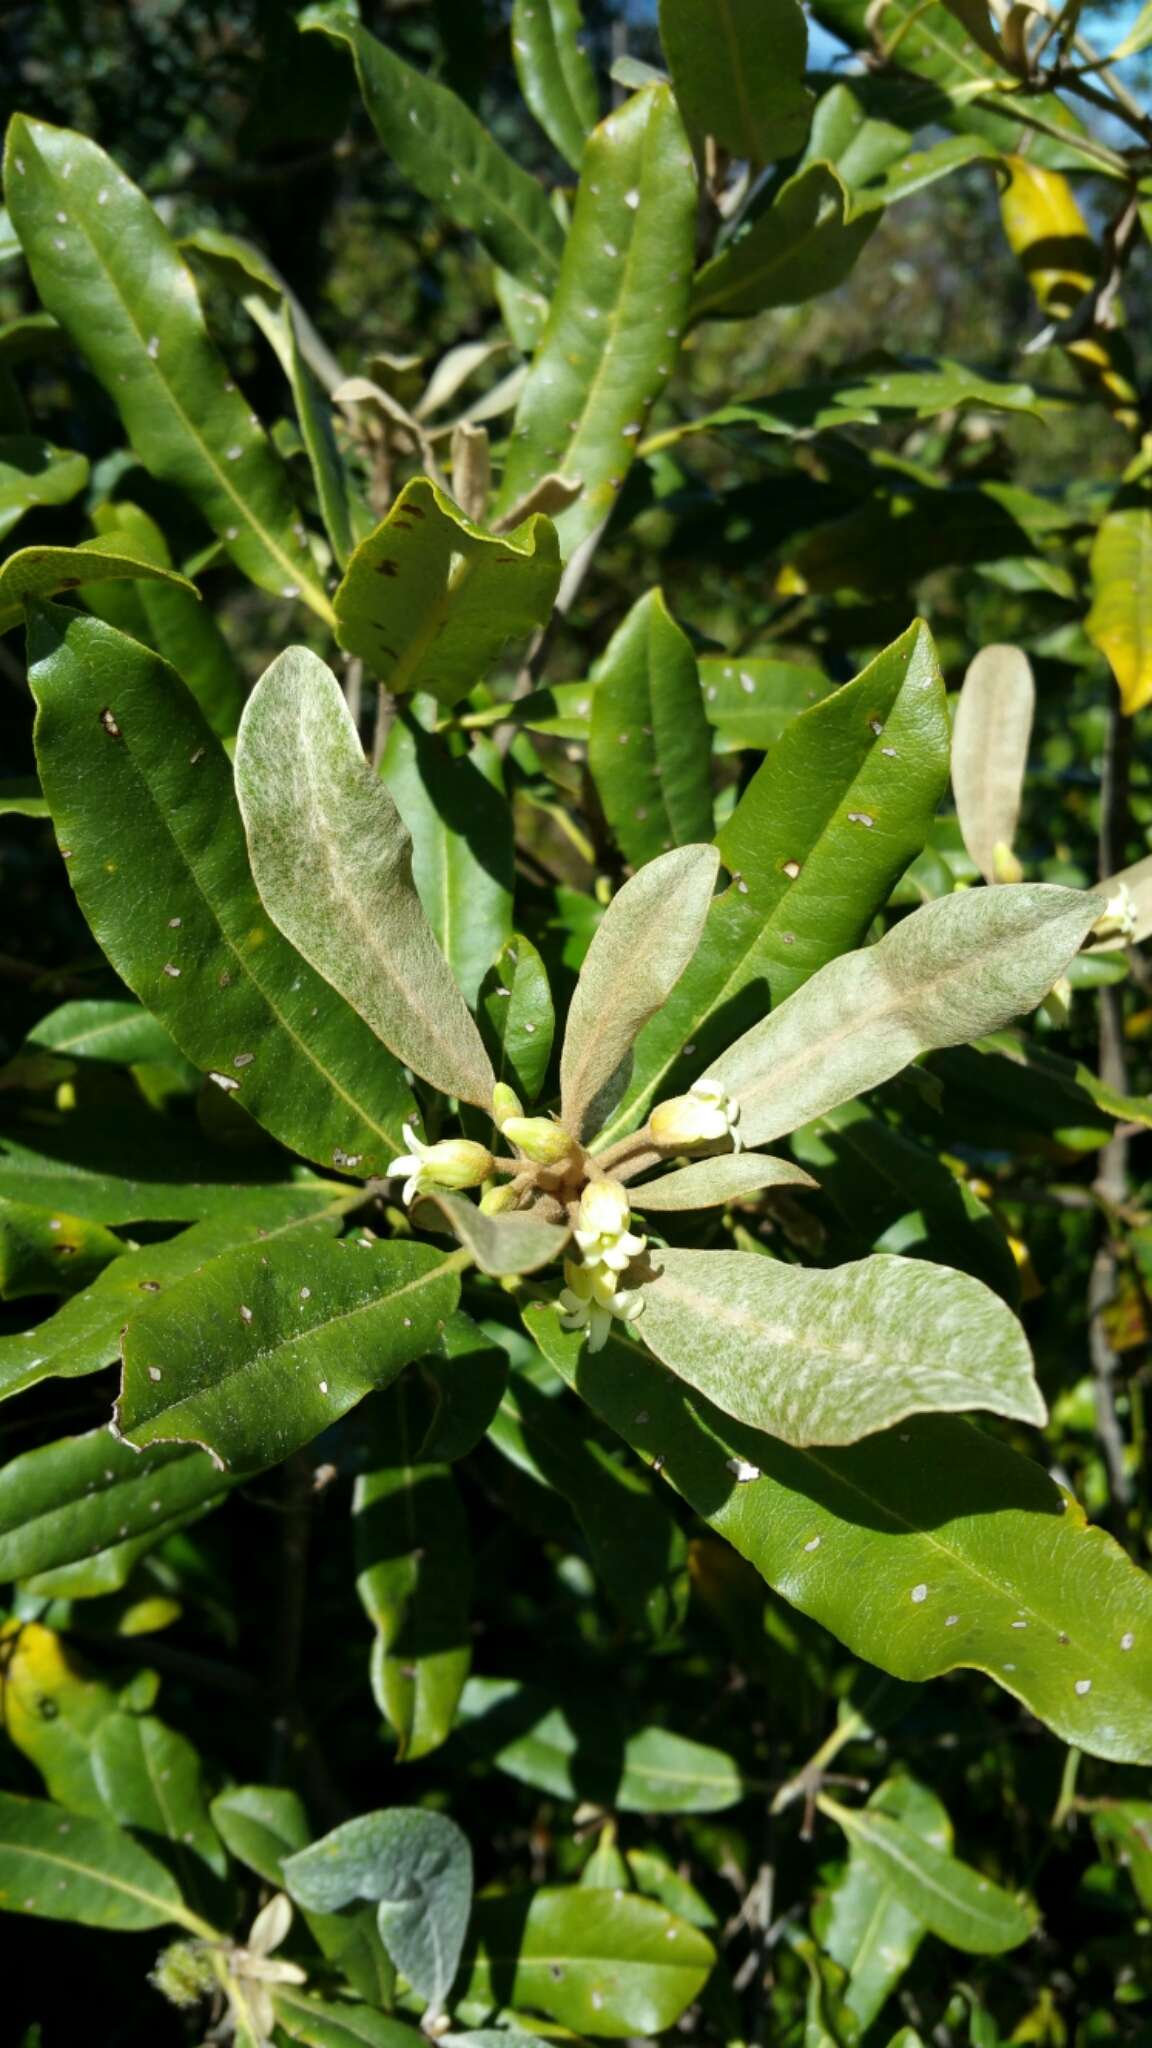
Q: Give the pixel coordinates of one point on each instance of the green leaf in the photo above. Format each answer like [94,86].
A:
[955,969]
[1120,621]
[89,1496]
[648,746]
[332,860]
[617,314]
[44,1252]
[167,616]
[430,600]
[414,1578]
[158,862]
[923,1549]
[115,1034]
[865,1926]
[258,1352]
[1124,1827]
[828,1357]
[808,876]
[641,947]
[555,75]
[636,1546]
[97,1164]
[84,1334]
[449,156]
[417,1866]
[33,472]
[150,1779]
[738,71]
[1009,1087]
[802,245]
[62,1866]
[582,1749]
[750,699]
[53,1708]
[990,736]
[951,1898]
[323,2025]
[41,572]
[516,1017]
[707,1183]
[462,855]
[114,278]
[502,1244]
[601,1965]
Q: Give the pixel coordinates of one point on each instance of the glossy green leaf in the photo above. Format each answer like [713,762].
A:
[637,1549]
[516,1017]
[502,1244]
[461,825]
[895,1195]
[45,1252]
[261,1350]
[738,70]
[924,1549]
[151,1781]
[305,790]
[414,1578]
[449,155]
[21,797]
[116,281]
[417,1867]
[1123,1827]
[614,325]
[84,1334]
[990,736]
[321,2024]
[828,1357]
[706,1183]
[802,245]
[156,856]
[463,1381]
[556,77]
[430,600]
[748,701]
[116,1034]
[642,945]
[1010,1087]
[40,572]
[33,472]
[601,1965]
[955,969]
[582,1749]
[168,617]
[88,1496]
[951,1898]
[808,875]
[863,397]
[63,1866]
[648,746]
[865,1926]
[99,1165]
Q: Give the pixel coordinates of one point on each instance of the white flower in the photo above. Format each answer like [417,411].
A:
[702,1117]
[454,1163]
[602,1231]
[592,1297]
[1117,920]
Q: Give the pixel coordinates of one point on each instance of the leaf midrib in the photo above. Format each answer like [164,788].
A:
[893,1850]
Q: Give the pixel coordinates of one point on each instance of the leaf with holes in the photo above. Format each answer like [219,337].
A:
[648,746]
[104,263]
[598,1963]
[429,601]
[750,698]
[45,1252]
[614,325]
[260,1350]
[101,1165]
[738,71]
[332,859]
[828,823]
[925,1549]
[89,1497]
[142,797]
[41,572]
[953,1900]
[64,1866]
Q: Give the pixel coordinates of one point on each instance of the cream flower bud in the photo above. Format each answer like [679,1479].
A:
[602,1231]
[497,1200]
[1117,920]
[454,1163]
[538,1138]
[590,1299]
[702,1117]
[505,1103]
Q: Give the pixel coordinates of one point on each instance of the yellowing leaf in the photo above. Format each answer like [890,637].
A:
[1120,621]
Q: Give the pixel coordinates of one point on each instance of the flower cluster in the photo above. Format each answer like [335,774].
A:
[702,1117]
[592,1294]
